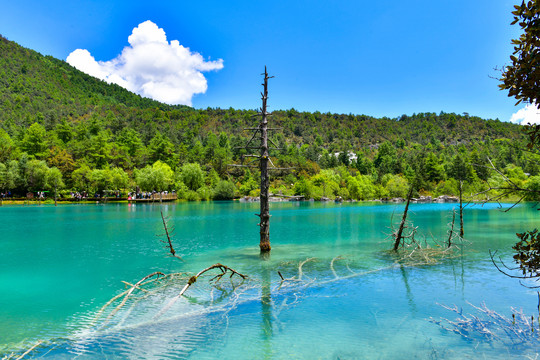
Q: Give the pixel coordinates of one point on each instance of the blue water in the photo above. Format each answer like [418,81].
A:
[60,265]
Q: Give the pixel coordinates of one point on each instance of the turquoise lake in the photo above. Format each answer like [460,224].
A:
[60,265]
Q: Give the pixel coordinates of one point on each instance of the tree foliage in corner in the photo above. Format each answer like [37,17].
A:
[528,253]
[522,80]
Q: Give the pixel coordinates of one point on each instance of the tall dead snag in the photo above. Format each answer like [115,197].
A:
[399,234]
[264,160]
[265,179]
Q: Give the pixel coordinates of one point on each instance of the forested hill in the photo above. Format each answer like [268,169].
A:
[42,89]
[53,116]
[31,83]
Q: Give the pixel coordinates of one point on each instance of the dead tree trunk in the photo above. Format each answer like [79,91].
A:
[265,181]
[452,228]
[264,160]
[399,234]
[461,208]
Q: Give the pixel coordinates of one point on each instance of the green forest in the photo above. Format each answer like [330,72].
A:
[64,131]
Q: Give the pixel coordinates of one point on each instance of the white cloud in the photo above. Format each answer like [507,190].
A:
[151,66]
[528,114]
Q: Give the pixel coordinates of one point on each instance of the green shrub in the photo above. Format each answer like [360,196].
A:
[224,190]
[204,193]
[191,195]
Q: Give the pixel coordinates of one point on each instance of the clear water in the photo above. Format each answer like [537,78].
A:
[60,265]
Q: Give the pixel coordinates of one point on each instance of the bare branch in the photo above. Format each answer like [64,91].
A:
[169,242]
[503,272]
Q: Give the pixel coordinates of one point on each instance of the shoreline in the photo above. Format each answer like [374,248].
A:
[443,199]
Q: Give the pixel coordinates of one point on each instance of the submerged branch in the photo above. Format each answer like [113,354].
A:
[300,272]
[332,265]
[224,269]
[30,350]
[492,326]
[130,291]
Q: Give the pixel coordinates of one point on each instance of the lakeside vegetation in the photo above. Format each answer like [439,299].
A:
[62,129]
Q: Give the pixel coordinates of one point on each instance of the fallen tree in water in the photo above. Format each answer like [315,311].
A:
[223,268]
[490,326]
[161,279]
[409,250]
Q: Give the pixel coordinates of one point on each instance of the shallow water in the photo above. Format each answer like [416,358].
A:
[60,265]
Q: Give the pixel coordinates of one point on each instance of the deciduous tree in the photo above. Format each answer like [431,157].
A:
[192,176]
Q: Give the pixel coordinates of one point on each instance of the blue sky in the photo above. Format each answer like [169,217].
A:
[380,58]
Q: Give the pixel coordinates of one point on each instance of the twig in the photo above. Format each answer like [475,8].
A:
[136,286]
